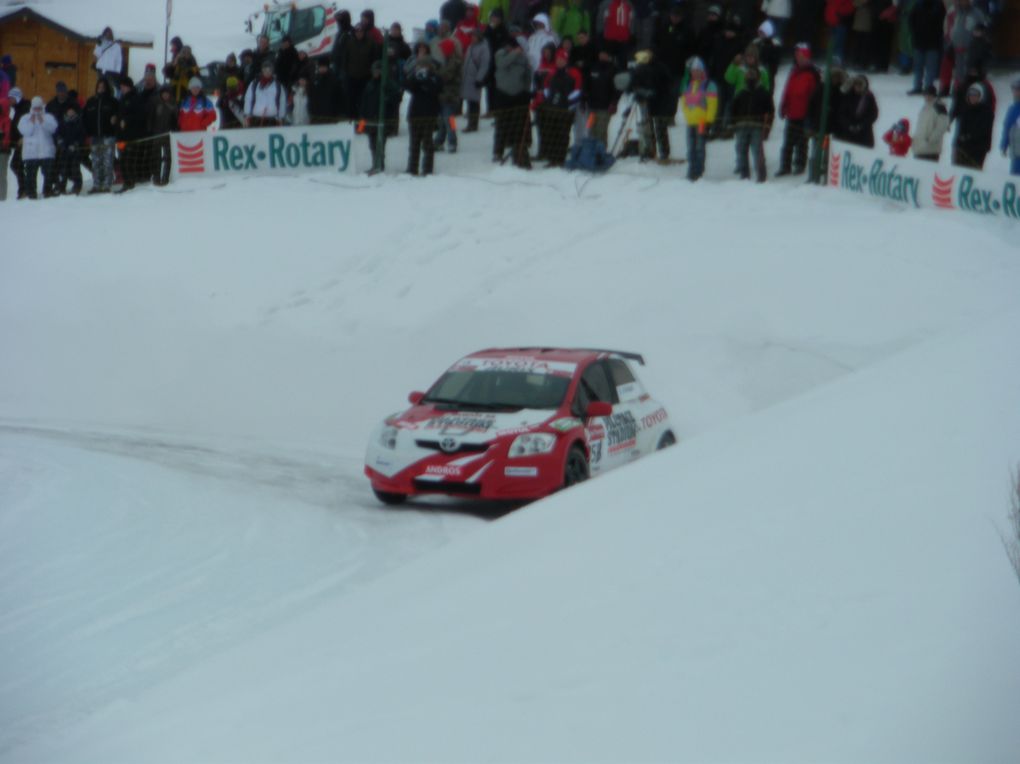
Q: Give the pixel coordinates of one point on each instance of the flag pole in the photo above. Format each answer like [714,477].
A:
[166,32]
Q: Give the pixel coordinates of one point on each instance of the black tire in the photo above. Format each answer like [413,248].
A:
[390,498]
[668,439]
[576,469]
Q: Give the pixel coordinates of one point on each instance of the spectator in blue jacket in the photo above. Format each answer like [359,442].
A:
[1010,144]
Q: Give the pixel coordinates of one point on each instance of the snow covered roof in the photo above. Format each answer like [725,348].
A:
[77,20]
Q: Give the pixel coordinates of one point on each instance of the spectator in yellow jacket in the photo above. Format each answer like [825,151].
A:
[699,102]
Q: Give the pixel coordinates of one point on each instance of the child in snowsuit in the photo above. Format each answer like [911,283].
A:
[700,104]
[70,139]
[898,138]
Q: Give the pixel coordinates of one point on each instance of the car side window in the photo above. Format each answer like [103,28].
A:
[594,386]
[623,380]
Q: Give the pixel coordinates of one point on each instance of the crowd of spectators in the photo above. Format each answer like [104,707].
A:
[550,73]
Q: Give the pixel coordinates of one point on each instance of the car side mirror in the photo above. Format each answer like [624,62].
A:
[415,398]
[599,409]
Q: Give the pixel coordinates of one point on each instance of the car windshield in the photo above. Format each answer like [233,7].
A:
[498,390]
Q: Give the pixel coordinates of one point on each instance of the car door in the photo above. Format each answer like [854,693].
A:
[638,407]
[595,385]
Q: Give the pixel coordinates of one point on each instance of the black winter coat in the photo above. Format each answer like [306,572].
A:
[599,90]
[358,58]
[974,125]
[131,117]
[857,116]
[653,84]
[424,86]
[287,65]
[160,117]
[71,132]
[753,107]
[926,20]
[100,116]
[674,44]
[325,97]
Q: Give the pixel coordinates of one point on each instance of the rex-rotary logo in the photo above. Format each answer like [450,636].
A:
[190,159]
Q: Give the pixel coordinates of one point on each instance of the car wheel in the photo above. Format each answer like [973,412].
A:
[390,498]
[668,439]
[576,469]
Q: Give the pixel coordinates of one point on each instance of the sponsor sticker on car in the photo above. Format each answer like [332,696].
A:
[521,471]
[522,363]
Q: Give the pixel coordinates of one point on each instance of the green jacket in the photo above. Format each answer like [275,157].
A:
[572,21]
[735,76]
[488,6]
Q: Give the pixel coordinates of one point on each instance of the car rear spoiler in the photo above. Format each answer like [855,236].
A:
[622,353]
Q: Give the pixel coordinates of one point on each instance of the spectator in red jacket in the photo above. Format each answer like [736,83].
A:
[839,16]
[898,138]
[794,105]
[197,111]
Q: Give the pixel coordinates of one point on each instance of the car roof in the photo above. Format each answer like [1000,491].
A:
[565,355]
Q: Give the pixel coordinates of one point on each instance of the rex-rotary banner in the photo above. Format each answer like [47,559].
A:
[920,184]
[264,151]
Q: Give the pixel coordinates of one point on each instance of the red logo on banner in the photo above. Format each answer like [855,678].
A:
[834,163]
[190,158]
[942,192]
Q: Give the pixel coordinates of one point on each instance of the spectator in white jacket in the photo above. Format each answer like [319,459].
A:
[265,103]
[38,149]
[932,125]
[109,60]
[539,39]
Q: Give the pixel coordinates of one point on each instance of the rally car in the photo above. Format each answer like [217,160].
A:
[517,424]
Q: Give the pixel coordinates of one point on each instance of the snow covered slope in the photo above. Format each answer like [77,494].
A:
[192,567]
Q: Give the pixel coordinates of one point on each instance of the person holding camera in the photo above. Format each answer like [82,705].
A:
[109,60]
[38,148]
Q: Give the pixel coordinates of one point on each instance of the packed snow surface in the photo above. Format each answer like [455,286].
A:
[193,568]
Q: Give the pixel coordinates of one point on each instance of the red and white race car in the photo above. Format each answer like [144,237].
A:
[517,423]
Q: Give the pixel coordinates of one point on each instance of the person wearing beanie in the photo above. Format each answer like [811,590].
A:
[265,102]
[5,142]
[131,135]
[359,53]
[932,126]
[369,114]
[753,112]
[450,72]
[858,113]
[794,107]
[616,25]
[325,101]
[477,65]
[231,102]
[512,85]
[561,96]
[161,120]
[197,111]
[101,127]
[974,125]
[700,104]
[38,129]
[183,68]
[1010,143]
[425,88]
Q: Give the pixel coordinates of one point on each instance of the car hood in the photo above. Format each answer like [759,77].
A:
[430,423]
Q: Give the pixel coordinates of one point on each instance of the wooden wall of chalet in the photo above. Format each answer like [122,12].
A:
[45,56]
[1007,32]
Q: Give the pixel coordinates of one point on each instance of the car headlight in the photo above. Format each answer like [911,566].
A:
[388,437]
[531,443]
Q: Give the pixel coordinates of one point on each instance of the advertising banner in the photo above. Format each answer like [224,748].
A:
[264,151]
[917,183]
